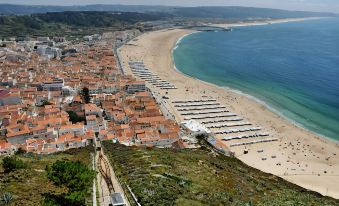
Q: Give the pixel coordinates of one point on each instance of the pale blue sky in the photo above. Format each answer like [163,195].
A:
[313,5]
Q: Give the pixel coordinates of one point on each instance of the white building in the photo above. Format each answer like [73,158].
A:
[137,86]
[55,85]
[43,39]
[50,52]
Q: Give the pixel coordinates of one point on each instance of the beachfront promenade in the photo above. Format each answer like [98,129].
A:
[271,143]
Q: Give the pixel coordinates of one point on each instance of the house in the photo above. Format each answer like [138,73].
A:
[155,138]
[136,86]
[8,98]
[18,133]
[92,109]
[43,38]
[34,145]
[7,148]
[50,52]
[54,84]
[59,39]
[125,136]
[76,129]
[94,123]
[91,120]
[88,38]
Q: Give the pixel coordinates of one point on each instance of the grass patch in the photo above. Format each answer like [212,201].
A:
[199,177]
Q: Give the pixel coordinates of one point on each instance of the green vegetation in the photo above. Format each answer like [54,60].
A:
[72,24]
[10,164]
[30,186]
[76,177]
[74,118]
[96,19]
[201,177]
[85,95]
[6,198]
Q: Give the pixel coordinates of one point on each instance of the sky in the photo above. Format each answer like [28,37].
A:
[306,5]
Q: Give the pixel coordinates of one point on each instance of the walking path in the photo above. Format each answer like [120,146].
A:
[107,186]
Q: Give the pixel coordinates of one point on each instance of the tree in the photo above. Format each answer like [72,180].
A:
[75,176]
[12,163]
[74,118]
[20,151]
[85,95]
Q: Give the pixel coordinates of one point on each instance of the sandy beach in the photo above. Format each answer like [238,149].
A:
[265,22]
[298,156]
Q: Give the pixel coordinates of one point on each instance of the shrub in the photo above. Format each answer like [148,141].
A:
[85,95]
[12,163]
[74,118]
[7,198]
[76,176]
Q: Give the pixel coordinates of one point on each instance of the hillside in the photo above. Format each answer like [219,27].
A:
[201,177]
[71,23]
[77,21]
[30,186]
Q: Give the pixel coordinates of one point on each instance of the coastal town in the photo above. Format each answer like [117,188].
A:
[56,95]
[122,87]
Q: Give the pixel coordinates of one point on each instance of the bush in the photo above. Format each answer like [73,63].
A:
[12,163]
[74,118]
[85,95]
[20,151]
[75,176]
[7,198]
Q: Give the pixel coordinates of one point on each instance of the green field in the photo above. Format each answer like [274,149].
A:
[29,186]
[201,177]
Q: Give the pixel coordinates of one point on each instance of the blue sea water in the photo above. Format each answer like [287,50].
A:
[293,67]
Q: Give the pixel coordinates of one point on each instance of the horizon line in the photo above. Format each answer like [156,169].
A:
[158,5]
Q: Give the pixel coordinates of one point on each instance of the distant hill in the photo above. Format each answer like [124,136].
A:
[95,18]
[12,9]
[243,13]
[71,22]
[188,12]
[20,20]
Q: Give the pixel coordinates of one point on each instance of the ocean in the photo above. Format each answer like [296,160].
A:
[292,67]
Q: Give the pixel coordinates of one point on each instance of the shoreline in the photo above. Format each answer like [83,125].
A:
[267,22]
[160,61]
[262,102]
